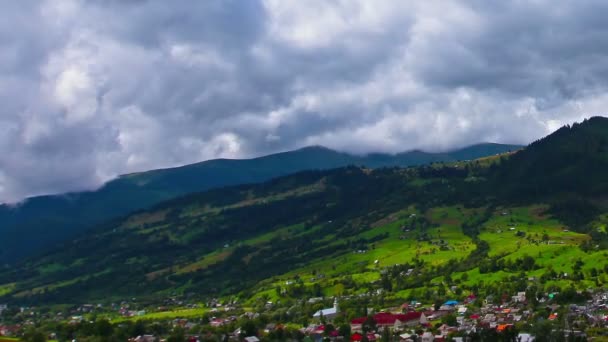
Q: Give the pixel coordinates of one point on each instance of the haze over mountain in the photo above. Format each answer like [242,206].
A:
[308,222]
[42,221]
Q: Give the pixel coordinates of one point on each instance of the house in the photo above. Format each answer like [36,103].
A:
[217,322]
[525,338]
[328,314]
[359,337]
[427,337]
[143,338]
[86,308]
[76,319]
[503,327]
[519,298]
[315,300]
[489,318]
[356,337]
[432,315]
[445,329]
[407,338]
[318,332]
[450,305]
[270,327]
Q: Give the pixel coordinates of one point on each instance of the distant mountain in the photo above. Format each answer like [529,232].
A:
[43,221]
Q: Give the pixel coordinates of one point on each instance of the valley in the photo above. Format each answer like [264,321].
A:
[479,233]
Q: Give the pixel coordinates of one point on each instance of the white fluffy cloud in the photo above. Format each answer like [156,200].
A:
[93,89]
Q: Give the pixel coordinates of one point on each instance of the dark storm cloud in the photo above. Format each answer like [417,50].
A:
[548,51]
[93,89]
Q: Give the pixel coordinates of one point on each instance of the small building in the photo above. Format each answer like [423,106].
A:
[216,322]
[519,298]
[370,337]
[427,337]
[522,337]
[144,338]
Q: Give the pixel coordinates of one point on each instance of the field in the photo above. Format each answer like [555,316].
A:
[511,233]
[6,288]
[172,314]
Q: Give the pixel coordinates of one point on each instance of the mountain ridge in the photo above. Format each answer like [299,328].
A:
[43,221]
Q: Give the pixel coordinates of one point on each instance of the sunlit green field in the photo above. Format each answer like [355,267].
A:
[172,314]
[511,233]
[549,242]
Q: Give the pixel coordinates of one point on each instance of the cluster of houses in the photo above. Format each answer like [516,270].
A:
[407,319]
[220,321]
[410,321]
[392,321]
[125,312]
[10,330]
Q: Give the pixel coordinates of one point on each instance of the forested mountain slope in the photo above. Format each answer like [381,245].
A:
[43,221]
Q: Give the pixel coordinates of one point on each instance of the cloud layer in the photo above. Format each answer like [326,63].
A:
[93,89]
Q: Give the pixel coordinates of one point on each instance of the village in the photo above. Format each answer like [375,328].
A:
[470,318]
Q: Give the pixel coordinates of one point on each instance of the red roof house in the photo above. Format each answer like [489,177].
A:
[390,320]
[356,337]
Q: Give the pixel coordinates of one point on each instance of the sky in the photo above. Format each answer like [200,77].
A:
[93,89]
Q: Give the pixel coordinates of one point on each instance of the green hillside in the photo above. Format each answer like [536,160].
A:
[41,222]
[414,233]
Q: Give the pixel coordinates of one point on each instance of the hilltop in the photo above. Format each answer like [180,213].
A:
[41,222]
